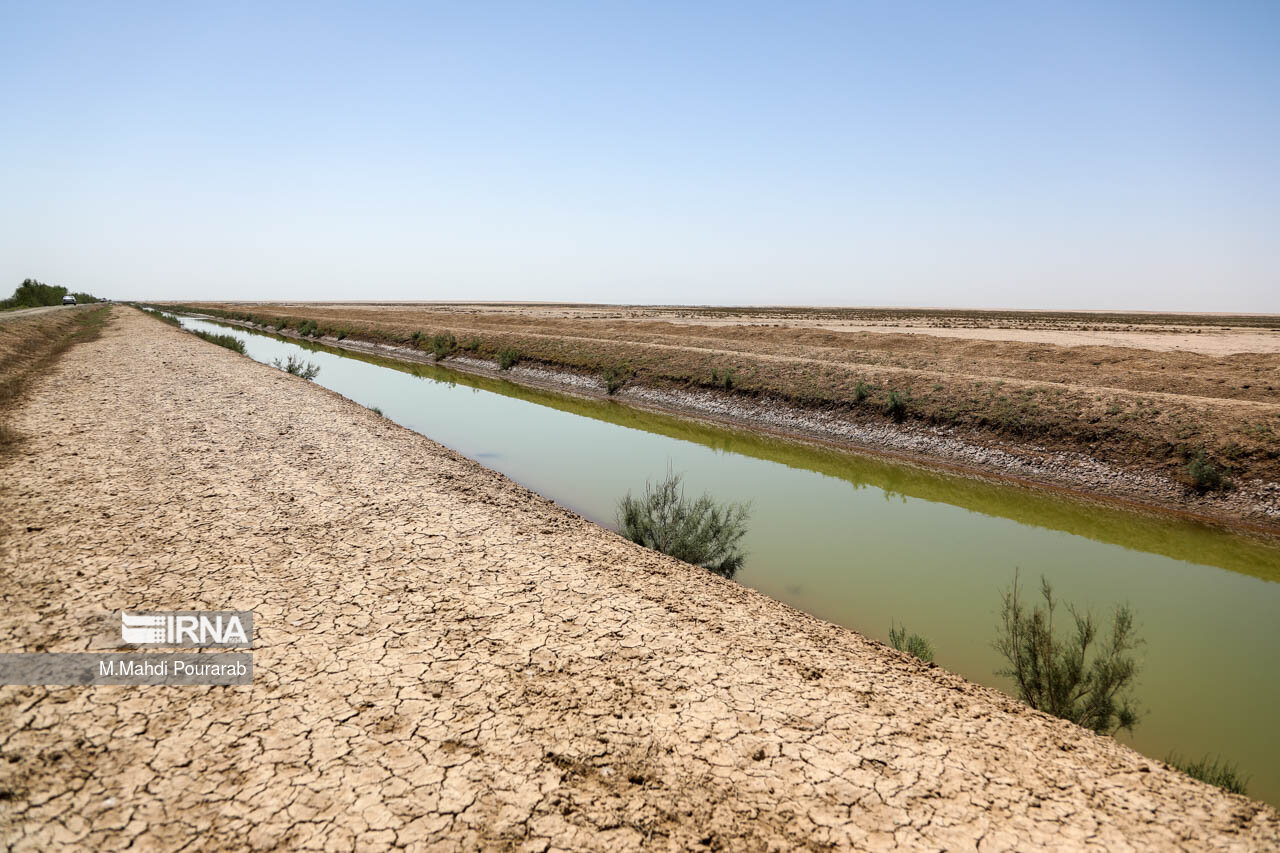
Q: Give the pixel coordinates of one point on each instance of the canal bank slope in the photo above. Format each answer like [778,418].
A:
[444,657]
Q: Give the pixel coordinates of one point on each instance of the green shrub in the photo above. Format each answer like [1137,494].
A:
[615,377]
[443,345]
[913,644]
[507,358]
[231,342]
[309,329]
[725,381]
[297,367]
[1203,475]
[376,411]
[1214,771]
[896,405]
[1058,676]
[415,337]
[860,391]
[701,532]
[472,345]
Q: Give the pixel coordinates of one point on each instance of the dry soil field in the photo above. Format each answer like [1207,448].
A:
[444,660]
[1106,403]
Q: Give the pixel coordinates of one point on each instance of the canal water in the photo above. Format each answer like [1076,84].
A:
[865,543]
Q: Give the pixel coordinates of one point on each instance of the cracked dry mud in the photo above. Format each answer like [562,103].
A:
[446,660]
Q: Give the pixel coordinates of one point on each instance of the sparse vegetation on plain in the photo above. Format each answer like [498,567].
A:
[702,531]
[1080,678]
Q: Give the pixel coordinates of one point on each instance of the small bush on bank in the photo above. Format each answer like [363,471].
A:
[1057,675]
[297,367]
[723,380]
[1214,771]
[615,377]
[913,644]
[507,358]
[860,391]
[231,342]
[472,345]
[702,532]
[1203,475]
[443,345]
[308,328]
[896,405]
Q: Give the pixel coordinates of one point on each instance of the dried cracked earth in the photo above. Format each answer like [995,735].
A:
[444,660]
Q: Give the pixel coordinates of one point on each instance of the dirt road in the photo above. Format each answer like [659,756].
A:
[445,660]
[30,312]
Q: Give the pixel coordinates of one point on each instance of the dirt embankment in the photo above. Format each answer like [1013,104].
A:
[1117,421]
[445,660]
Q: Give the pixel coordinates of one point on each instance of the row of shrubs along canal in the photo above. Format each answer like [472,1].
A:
[1183,616]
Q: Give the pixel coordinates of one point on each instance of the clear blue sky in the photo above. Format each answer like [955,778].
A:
[1020,154]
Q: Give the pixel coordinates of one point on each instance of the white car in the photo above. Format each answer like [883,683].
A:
[68,300]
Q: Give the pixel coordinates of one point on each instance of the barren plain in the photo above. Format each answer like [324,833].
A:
[444,660]
[1118,405]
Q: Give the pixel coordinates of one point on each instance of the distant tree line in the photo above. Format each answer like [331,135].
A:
[34,294]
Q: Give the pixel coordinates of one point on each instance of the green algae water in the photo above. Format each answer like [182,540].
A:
[864,542]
